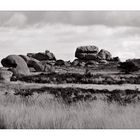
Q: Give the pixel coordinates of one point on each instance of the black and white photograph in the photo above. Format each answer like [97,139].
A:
[70,69]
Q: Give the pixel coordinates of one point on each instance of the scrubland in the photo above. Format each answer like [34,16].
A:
[42,112]
[31,105]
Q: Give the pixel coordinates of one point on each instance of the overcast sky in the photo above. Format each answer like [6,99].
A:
[61,32]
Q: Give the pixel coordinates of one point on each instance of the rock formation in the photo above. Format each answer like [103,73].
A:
[92,63]
[60,62]
[41,56]
[104,55]
[5,75]
[90,55]
[16,64]
[31,62]
[116,59]
[86,52]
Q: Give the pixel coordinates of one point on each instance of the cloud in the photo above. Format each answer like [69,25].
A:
[17,20]
[82,18]
[63,39]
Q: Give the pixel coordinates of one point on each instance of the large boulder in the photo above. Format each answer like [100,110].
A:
[31,62]
[5,75]
[116,59]
[86,52]
[17,65]
[87,49]
[78,62]
[103,62]
[104,55]
[75,62]
[42,56]
[60,62]
[91,63]
[86,56]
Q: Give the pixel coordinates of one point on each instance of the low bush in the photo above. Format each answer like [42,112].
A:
[70,95]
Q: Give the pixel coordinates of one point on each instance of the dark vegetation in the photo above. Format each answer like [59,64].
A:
[71,95]
[128,67]
[86,78]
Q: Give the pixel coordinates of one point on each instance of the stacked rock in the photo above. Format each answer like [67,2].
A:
[90,55]
[41,56]
[87,52]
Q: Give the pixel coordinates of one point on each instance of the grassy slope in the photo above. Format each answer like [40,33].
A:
[41,112]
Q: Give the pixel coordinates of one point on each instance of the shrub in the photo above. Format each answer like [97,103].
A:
[128,67]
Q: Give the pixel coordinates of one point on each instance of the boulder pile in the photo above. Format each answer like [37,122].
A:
[31,62]
[23,65]
[90,55]
[16,64]
[41,56]
[20,65]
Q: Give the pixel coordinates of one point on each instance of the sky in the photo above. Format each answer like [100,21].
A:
[62,32]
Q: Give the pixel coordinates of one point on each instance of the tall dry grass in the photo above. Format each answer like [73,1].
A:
[39,112]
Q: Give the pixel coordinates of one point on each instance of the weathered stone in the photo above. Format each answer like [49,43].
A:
[87,56]
[104,55]
[67,63]
[31,62]
[82,64]
[87,49]
[17,65]
[60,62]
[42,56]
[103,62]
[116,59]
[91,63]
[75,62]
[86,52]
[5,75]
[48,62]
[49,68]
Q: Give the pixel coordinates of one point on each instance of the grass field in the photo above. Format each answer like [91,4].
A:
[43,111]
[24,113]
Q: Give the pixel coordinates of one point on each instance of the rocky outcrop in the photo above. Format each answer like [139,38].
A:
[91,63]
[104,55]
[31,62]
[41,56]
[87,49]
[60,62]
[75,62]
[116,59]
[67,63]
[5,75]
[86,56]
[48,62]
[78,62]
[16,64]
[49,68]
[91,56]
[86,52]
[103,62]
